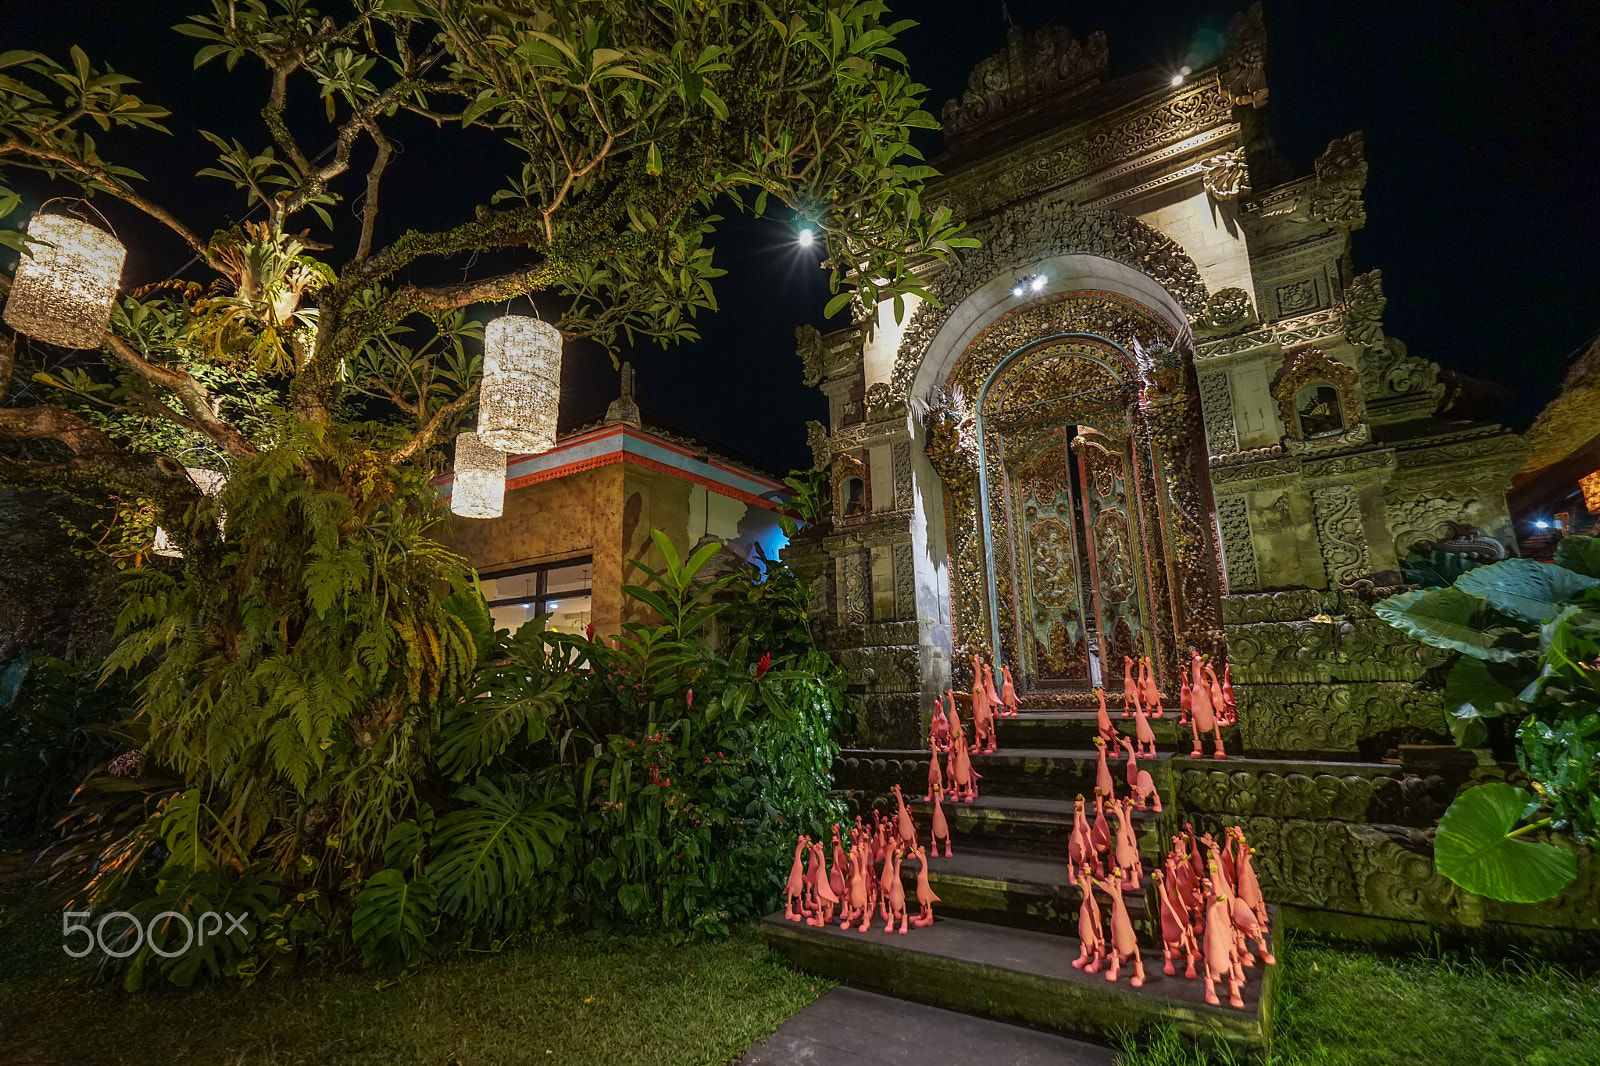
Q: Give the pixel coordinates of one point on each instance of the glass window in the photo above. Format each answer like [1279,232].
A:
[561,590]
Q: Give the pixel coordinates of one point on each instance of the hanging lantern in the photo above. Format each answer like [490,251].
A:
[521,391]
[480,486]
[66,282]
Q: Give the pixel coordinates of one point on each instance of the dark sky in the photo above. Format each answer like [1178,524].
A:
[1483,202]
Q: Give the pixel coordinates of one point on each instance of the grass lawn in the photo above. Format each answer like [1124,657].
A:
[1340,1006]
[555,999]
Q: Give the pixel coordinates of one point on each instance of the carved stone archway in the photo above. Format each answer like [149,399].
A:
[1017,240]
[1133,348]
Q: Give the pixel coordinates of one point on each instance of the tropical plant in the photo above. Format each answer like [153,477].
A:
[302,656]
[1528,634]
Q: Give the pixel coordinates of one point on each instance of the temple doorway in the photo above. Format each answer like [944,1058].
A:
[1070,515]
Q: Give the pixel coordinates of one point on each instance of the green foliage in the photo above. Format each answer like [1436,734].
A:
[52,716]
[1530,637]
[394,916]
[302,664]
[1435,569]
[488,852]
[1478,849]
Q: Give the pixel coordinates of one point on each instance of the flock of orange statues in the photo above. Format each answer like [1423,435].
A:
[1210,901]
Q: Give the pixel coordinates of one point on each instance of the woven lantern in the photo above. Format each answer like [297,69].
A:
[521,391]
[66,282]
[480,485]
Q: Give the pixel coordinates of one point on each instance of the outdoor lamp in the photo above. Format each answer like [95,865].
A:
[66,282]
[480,485]
[521,392]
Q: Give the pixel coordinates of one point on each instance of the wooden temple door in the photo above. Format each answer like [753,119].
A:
[1074,552]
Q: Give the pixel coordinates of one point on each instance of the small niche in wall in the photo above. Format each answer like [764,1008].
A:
[852,497]
[1320,410]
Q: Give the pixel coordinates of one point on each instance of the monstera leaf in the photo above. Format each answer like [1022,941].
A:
[489,851]
[393,917]
[1444,619]
[1435,569]
[1525,588]
[1475,848]
[1474,690]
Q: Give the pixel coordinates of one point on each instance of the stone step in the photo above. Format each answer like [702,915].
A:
[1021,824]
[1024,891]
[1077,729]
[1057,773]
[1024,976]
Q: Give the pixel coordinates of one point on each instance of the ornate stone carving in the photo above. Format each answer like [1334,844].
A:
[1310,366]
[1471,542]
[1073,153]
[1225,175]
[1242,70]
[1363,308]
[808,346]
[902,475]
[817,441]
[1020,238]
[1238,546]
[1343,534]
[905,588]
[1043,62]
[1216,401]
[1341,177]
[1390,796]
[949,426]
[1332,717]
[1343,648]
[1417,519]
[1389,375]
[880,401]
[1227,309]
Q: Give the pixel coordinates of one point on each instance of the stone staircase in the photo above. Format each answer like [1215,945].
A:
[1005,937]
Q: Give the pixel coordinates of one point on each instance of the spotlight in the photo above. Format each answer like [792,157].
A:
[807,237]
[1541,524]
[1017,289]
[1039,282]
[1177,79]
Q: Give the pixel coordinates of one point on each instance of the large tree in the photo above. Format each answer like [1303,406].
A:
[301,644]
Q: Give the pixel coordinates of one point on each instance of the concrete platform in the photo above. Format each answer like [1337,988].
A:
[850,1027]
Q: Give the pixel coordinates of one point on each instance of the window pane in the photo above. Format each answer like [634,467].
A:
[524,586]
[512,615]
[568,578]
[569,614]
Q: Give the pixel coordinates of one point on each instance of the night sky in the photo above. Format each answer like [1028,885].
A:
[1482,199]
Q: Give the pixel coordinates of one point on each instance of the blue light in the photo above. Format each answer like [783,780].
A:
[1541,524]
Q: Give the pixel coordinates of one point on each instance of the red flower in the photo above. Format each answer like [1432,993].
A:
[588,632]
[763,665]
[689,699]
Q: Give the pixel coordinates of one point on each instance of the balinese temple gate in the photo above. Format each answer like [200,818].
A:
[1155,412]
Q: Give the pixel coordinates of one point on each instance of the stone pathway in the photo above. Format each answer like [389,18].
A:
[849,1027]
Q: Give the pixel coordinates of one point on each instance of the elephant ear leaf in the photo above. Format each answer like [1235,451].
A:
[1433,569]
[1579,554]
[393,917]
[1442,618]
[1475,690]
[1475,848]
[1525,588]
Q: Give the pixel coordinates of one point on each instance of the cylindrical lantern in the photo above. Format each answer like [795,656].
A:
[480,485]
[66,282]
[521,391]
